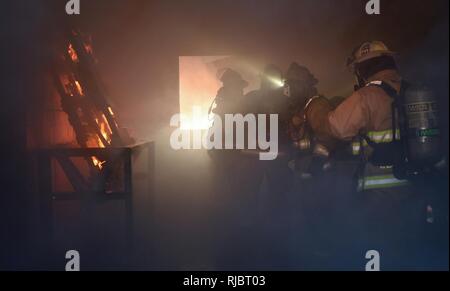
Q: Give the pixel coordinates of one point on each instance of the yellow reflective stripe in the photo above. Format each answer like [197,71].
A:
[383,186]
[382,177]
[377,182]
[384,136]
[356,149]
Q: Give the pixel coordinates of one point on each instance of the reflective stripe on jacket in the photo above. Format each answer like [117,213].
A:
[383,136]
[376,177]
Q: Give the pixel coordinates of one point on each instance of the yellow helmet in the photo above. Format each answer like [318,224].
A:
[367,51]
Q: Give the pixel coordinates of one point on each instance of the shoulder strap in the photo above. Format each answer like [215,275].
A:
[396,103]
[386,88]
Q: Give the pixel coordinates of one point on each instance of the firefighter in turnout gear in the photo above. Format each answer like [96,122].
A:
[229,99]
[300,87]
[234,196]
[391,213]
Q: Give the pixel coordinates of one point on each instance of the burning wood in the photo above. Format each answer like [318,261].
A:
[73,55]
[98,163]
[85,102]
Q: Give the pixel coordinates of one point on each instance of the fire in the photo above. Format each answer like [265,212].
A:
[88,48]
[110,110]
[105,131]
[100,143]
[97,162]
[79,88]
[73,54]
[71,85]
[98,134]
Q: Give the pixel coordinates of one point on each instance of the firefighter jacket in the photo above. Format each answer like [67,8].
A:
[366,112]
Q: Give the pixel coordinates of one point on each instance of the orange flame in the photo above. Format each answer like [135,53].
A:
[88,49]
[107,124]
[105,131]
[97,162]
[79,88]
[110,110]
[72,53]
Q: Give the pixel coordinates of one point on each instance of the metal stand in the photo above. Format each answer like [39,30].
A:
[94,189]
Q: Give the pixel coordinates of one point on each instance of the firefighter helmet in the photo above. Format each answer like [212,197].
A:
[367,51]
[229,76]
[300,73]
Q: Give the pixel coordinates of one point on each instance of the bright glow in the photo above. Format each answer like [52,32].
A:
[196,118]
[199,83]
[198,88]
[97,163]
[110,110]
[73,54]
[276,81]
[79,88]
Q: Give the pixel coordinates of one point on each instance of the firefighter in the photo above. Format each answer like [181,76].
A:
[311,243]
[269,98]
[272,224]
[229,99]
[389,209]
[300,87]
[234,197]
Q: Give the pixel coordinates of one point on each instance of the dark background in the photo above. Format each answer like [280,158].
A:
[138,44]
